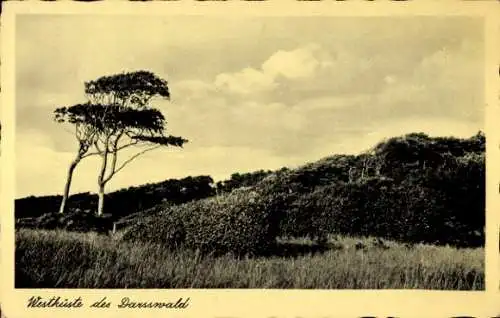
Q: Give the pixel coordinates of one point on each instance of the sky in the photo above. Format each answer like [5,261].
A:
[248,93]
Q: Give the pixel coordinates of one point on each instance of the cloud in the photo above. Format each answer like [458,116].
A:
[390,79]
[296,116]
[247,81]
[448,82]
[299,64]
[453,71]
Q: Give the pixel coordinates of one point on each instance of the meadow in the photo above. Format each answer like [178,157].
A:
[62,259]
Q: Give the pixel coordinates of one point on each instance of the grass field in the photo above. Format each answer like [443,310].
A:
[58,259]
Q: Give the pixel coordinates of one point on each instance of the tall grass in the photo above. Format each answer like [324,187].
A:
[58,259]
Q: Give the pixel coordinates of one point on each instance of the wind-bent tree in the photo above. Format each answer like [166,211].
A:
[85,134]
[119,116]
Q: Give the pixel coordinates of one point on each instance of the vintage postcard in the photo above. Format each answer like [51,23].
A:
[250,159]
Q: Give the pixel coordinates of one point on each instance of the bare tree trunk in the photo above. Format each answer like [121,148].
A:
[72,166]
[102,183]
[100,205]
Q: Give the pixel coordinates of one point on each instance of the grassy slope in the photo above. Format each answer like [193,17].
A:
[46,259]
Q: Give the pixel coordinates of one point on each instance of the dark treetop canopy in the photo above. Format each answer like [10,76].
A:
[137,86]
[163,140]
[111,117]
[144,125]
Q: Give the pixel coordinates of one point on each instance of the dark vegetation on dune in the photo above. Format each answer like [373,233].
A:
[123,202]
[413,188]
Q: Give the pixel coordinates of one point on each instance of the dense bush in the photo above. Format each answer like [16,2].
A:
[167,230]
[286,197]
[442,207]
[238,180]
[237,223]
[412,188]
[75,221]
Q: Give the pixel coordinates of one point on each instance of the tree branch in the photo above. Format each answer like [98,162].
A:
[104,155]
[126,146]
[114,153]
[132,158]
[96,144]
[113,168]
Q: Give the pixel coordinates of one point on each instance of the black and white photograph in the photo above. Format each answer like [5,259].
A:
[249,152]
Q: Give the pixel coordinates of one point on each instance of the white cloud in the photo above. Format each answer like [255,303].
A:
[247,81]
[390,79]
[302,63]
[448,82]
[452,70]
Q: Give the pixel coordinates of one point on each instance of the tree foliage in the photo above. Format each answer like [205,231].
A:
[130,88]
[238,180]
[117,115]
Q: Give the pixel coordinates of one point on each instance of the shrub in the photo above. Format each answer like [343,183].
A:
[167,230]
[48,221]
[286,198]
[74,221]
[410,211]
[85,222]
[237,223]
